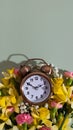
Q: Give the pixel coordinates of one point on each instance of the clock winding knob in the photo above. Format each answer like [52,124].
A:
[46,69]
[24,70]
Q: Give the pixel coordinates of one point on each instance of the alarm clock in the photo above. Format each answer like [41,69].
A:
[36,84]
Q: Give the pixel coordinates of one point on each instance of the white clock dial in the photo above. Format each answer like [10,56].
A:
[36,88]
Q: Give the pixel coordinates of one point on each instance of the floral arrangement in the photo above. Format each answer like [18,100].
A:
[55,114]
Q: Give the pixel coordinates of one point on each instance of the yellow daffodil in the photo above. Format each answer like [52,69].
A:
[2,101]
[44,113]
[70,95]
[7,75]
[7,100]
[54,116]
[70,90]
[13,100]
[67,124]
[6,103]
[60,91]
[8,122]
[32,128]
[41,114]
[5,81]
[47,122]
[10,71]
[3,117]
[13,90]
[2,86]
[35,116]
[57,81]
[14,128]
[54,127]
[2,126]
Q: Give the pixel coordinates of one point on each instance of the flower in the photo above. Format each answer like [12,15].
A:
[10,109]
[45,128]
[44,113]
[16,71]
[44,116]
[60,90]
[56,104]
[24,118]
[68,74]
[54,127]
[55,114]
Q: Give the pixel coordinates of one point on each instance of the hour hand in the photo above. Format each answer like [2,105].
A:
[30,85]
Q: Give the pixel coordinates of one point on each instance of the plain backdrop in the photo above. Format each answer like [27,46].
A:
[37,28]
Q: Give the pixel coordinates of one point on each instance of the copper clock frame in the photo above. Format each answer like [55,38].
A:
[29,75]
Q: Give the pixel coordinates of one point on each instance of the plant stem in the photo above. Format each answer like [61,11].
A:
[60,128]
[25,126]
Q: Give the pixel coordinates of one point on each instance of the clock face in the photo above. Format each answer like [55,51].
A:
[36,88]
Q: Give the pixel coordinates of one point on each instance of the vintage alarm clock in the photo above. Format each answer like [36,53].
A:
[36,85]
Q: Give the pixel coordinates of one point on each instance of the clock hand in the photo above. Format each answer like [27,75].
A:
[39,86]
[31,85]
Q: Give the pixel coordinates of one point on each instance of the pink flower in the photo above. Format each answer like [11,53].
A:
[10,108]
[45,128]
[24,118]
[56,105]
[68,74]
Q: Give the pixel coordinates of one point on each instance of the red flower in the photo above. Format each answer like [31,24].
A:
[24,118]
[45,128]
[16,71]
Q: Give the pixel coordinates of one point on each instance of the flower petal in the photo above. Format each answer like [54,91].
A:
[2,126]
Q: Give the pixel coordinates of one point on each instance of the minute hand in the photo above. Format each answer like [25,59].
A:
[39,86]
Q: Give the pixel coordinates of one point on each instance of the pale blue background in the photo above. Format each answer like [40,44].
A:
[38,28]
